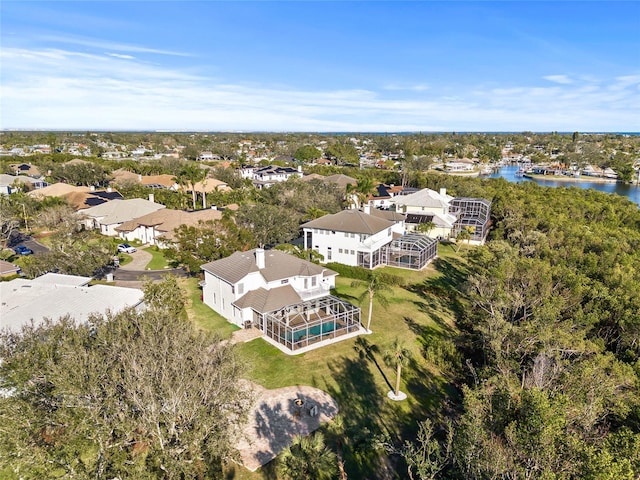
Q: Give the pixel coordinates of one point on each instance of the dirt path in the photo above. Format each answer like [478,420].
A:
[275,419]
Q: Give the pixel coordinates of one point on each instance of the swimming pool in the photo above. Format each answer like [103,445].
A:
[314,331]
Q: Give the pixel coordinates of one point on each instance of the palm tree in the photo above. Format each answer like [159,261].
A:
[308,458]
[359,193]
[397,356]
[464,234]
[188,177]
[375,286]
[425,227]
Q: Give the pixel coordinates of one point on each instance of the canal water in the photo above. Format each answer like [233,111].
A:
[630,191]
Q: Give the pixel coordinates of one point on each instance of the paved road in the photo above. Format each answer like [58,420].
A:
[135,275]
[19,238]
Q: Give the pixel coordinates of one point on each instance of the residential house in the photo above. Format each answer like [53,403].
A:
[14,183]
[426,206]
[78,197]
[108,216]
[265,177]
[7,269]
[448,215]
[158,227]
[288,299]
[55,295]
[368,239]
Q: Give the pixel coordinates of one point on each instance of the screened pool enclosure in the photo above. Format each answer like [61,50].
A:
[412,250]
[308,323]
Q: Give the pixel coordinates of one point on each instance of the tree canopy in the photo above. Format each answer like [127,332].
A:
[139,394]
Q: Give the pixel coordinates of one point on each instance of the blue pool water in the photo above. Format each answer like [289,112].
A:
[313,331]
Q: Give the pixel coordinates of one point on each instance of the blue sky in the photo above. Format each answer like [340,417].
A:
[320,66]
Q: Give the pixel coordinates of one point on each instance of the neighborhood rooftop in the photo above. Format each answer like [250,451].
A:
[351,221]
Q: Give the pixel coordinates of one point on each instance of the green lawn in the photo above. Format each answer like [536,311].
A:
[353,371]
[201,314]
[158,260]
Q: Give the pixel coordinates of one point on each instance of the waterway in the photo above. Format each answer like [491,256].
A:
[630,191]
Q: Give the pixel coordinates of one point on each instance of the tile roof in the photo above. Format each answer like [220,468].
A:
[352,221]
[167,220]
[278,266]
[423,198]
[119,211]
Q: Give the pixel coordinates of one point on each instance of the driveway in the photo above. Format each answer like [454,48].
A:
[19,238]
[133,273]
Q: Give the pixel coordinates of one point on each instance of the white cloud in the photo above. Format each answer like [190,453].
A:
[120,55]
[421,87]
[106,45]
[60,89]
[562,79]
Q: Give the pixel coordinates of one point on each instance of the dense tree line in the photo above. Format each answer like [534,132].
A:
[549,345]
[139,394]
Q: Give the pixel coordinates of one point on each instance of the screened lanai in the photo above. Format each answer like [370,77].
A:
[412,250]
[473,214]
[308,323]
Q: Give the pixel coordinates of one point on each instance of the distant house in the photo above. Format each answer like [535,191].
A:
[426,206]
[157,228]
[265,177]
[448,215]
[13,183]
[108,216]
[121,177]
[78,197]
[288,299]
[55,295]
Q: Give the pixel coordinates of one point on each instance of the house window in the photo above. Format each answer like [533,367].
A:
[339,250]
[306,283]
[353,252]
[282,282]
[240,288]
[329,253]
[214,298]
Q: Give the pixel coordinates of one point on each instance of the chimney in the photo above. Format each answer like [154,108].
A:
[214,207]
[260,258]
[366,208]
[92,188]
[443,191]
[139,177]
[152,198]
[299,168]
[109,190]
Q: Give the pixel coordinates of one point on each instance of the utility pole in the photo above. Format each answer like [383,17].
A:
[24,213]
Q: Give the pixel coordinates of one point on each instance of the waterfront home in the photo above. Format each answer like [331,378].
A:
[286,298]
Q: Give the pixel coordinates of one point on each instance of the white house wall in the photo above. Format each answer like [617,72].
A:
[219,296]
[345,246]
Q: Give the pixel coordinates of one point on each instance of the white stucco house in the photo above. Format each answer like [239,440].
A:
[158,227]
[351,237]
[448,214]
[110,215]
[288,299]
[427,205]
[265,177]
[368,239]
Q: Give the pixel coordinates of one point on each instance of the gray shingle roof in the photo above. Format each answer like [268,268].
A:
[278,266]
[264,301]
[351,221]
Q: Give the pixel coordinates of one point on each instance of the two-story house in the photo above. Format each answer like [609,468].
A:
[265,177]
[288,299]
[351,237]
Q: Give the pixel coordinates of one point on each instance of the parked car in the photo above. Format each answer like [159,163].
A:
[23,250]
[126,248]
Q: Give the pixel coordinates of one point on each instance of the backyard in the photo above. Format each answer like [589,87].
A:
[353,372]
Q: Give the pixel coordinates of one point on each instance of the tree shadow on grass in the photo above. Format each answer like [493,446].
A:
[365,411]
[443,290]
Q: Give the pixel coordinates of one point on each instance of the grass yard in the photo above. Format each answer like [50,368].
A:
[158,260]
[201,314]
[353,371]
